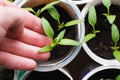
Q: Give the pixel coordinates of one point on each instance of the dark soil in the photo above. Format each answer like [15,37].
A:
[6,74]
[71,32]
[106,74]
[53,75]
[102,43]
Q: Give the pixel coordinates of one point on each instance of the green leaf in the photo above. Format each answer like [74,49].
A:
[61,34]
[88,37]
[92,18]
[54,13]
[58,38]
[30,10]
[47,28]
[115,33]
[55,41]
[117,55]
[111,18]
[69,42]
[118,77]
[38,13]
[61,26]
[97,31]
[46,49]
[10,0]
[115,48]
[49,5]
[107,3]
[73,22]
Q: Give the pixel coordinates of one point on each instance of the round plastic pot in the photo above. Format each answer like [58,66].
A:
[91,54]
[75,13]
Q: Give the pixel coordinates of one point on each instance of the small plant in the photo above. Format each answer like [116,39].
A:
[59,40]
[92,19]
[110,18]
[117,78]
[115,38]
[114,30]
[68,24]
[55,15]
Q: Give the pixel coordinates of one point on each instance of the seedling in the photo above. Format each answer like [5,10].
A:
[115,38]
[117,78]
[55,15]
[114,29]
[68,24]
[110,18]
[59,40]
[92,19]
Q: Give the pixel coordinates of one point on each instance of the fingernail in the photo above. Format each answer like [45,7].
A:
[44,56]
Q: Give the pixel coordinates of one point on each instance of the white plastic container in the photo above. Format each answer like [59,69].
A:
[96,58]
[74,12]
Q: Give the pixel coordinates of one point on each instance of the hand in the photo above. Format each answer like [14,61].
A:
[21,35]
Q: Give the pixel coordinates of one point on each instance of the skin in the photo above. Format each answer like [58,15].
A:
[21,35]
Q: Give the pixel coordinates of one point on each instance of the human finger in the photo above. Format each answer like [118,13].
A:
[22,49]
[33,38]
[11,61]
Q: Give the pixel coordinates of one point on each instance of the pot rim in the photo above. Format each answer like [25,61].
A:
[100,68]
[81,1]
[19,3]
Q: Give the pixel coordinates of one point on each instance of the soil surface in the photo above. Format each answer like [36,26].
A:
[102,43]
[53,75]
